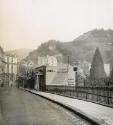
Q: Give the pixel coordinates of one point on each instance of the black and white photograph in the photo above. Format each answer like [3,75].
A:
[56,62]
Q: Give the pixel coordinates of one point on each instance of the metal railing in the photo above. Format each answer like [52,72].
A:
[98,94]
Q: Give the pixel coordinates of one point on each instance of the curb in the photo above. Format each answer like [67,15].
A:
[78,112]
[109,106]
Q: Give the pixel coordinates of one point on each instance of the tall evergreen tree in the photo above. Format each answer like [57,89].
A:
[111,76]
[97,68]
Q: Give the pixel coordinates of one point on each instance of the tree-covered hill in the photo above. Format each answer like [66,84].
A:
[81,48]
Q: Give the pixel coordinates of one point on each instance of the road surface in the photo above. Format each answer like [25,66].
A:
[18,107]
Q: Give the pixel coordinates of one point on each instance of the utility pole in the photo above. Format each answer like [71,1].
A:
[76,76]
[68,64]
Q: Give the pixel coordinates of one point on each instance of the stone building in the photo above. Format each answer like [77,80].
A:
[84,67]
[11,66]
[47,60]
[2,65]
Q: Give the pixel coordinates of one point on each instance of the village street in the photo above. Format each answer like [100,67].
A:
[18,107]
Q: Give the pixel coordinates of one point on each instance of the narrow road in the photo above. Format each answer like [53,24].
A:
[18,107]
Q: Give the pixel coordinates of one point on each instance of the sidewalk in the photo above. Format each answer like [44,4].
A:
[99,114]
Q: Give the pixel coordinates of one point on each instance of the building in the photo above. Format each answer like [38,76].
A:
[42,60]
[84,67]
[2,65]
[107,69]
[47,60]
[11,66]
[52,61]
[111,64]
[40,78]
[56,76]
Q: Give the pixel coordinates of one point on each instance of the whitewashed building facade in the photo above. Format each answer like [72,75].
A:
[11,67]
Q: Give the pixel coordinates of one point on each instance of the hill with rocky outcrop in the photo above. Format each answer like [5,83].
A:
[81,48]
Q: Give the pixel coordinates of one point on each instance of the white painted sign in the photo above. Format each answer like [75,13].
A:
[71,81]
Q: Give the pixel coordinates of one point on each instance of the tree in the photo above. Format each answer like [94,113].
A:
[97,68]
[111,76]
[25,69]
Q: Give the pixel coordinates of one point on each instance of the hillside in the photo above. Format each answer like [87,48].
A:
[20,53]
[81,48]
[103,39]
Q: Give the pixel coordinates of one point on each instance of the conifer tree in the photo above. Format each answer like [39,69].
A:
[97,68]
[111,76]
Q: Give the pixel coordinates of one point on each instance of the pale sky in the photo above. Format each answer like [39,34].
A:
[28,23]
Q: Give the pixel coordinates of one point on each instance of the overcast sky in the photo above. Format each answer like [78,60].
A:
[27,23]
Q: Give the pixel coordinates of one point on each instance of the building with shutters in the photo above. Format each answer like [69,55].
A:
[11,66]
[2,65]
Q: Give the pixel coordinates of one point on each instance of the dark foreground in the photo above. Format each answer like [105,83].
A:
[18,107]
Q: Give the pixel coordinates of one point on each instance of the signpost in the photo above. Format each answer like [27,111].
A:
[71,81]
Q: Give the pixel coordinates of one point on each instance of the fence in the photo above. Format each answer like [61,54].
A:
[98,94]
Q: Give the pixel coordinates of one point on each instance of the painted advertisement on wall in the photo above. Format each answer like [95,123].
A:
[56,75]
